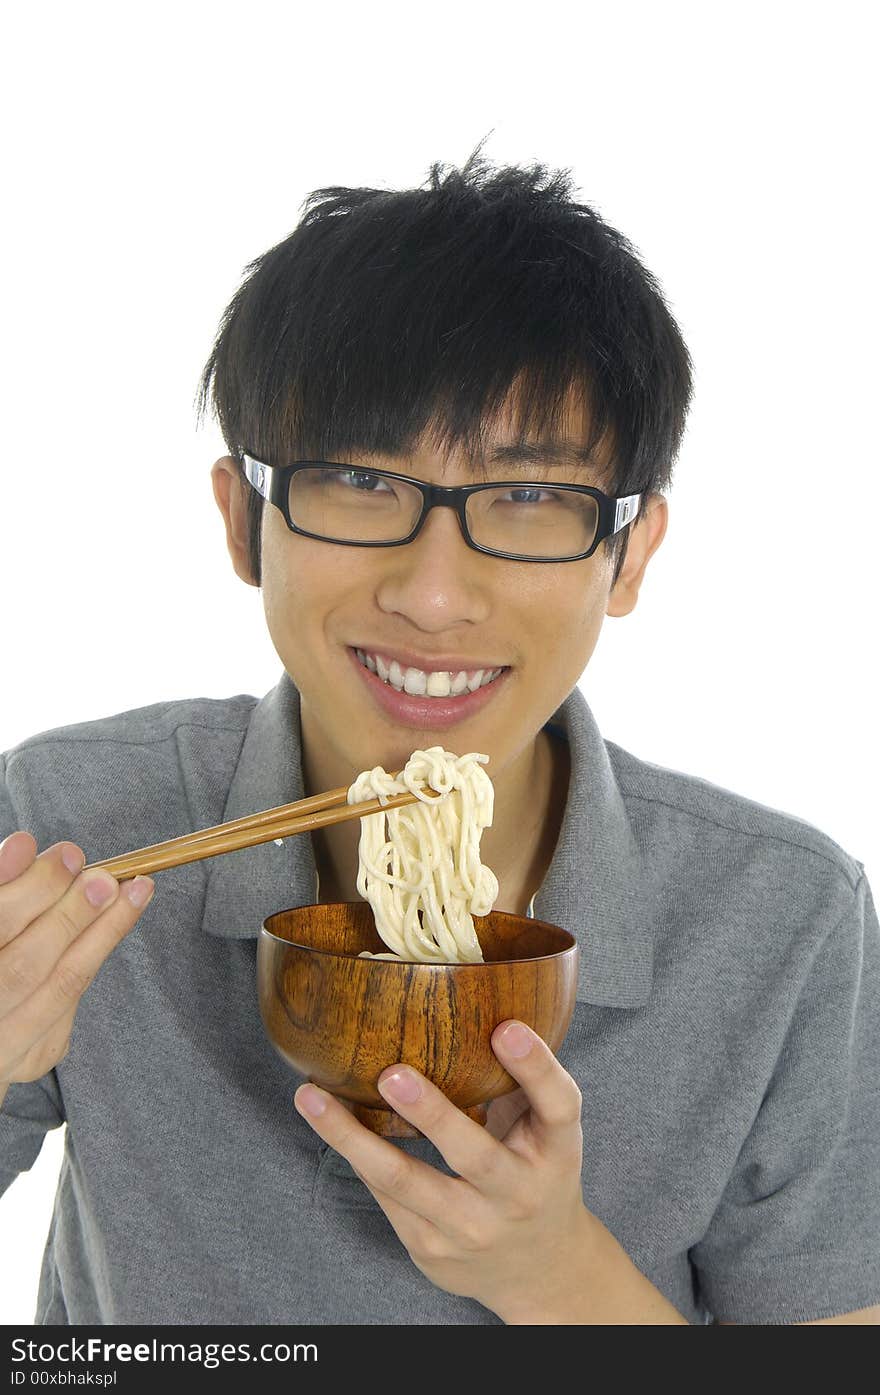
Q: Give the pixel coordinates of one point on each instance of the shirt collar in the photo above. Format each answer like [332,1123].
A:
[596,887]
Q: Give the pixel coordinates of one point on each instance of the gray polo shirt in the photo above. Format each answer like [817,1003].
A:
[726,1039]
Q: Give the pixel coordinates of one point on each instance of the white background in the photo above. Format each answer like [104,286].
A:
[153,151]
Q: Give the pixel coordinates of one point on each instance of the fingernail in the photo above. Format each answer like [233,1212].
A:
[516,1040]
[139,891]
[99,891]
[73,860]
[401,1085]
[311,1100]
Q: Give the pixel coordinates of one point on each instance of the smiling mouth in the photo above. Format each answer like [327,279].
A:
[421,683]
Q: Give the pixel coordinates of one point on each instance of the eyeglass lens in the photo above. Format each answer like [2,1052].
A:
[530,519]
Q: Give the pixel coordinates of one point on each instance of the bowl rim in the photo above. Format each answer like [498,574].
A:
[419,963]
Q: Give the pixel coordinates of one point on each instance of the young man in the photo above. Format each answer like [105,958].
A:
[706,1145]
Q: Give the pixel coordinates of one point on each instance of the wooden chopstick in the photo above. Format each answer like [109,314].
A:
[299,817]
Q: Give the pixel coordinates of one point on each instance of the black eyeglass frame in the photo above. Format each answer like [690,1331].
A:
[273,481]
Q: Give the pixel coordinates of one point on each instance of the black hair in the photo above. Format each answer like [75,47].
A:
[386,314]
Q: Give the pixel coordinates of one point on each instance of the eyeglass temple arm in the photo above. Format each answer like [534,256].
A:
[258,475]
[625,510]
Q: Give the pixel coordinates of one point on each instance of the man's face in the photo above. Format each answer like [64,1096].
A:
[434,604]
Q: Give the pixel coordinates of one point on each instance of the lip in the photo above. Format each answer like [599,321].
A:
[442,663]
[436,714]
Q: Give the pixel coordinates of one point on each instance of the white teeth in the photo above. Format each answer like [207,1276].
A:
[415,682]
[395,675]
[439,685]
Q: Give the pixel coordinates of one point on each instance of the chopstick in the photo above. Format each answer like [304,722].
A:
[301,816]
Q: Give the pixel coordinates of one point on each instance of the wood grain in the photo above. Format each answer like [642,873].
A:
[339,1020]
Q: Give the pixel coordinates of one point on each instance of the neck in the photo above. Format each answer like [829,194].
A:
[519,846]
[530,797]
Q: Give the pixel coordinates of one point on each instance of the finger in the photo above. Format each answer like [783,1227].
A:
[503,1113]
[30,885]
[74,971]
[468,1148]
[27,961]
[17,852]
[45,1053]
[411,1183]
[421,1237]
[554,1098]
[56,1043]
[28,958]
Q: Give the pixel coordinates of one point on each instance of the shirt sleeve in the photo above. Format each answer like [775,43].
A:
[27,1114]
[796,1236]
[28,1110]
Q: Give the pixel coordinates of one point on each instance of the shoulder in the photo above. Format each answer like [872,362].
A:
[144,725]
[136,775]
[725,834]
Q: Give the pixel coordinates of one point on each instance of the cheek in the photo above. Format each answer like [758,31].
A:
[297,577]
[567,606]
[279,577]
[311,590]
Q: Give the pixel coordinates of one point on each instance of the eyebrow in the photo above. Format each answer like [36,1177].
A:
[541,453]
[536,457]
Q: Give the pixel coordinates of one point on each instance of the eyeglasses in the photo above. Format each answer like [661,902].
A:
[522,520]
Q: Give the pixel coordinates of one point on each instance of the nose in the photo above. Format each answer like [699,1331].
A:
[436,582]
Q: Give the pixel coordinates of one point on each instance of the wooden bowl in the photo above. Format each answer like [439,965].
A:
[340,1020]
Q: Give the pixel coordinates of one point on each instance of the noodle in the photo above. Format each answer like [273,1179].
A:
[423,877]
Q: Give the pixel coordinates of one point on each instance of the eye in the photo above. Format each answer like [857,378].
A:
[529,494]
[363,481]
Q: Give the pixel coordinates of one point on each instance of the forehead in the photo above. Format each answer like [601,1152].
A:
[507,440]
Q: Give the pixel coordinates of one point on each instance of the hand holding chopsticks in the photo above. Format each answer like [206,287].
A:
[300,817]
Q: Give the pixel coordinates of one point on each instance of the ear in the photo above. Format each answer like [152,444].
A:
[645,537]
[230,491]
